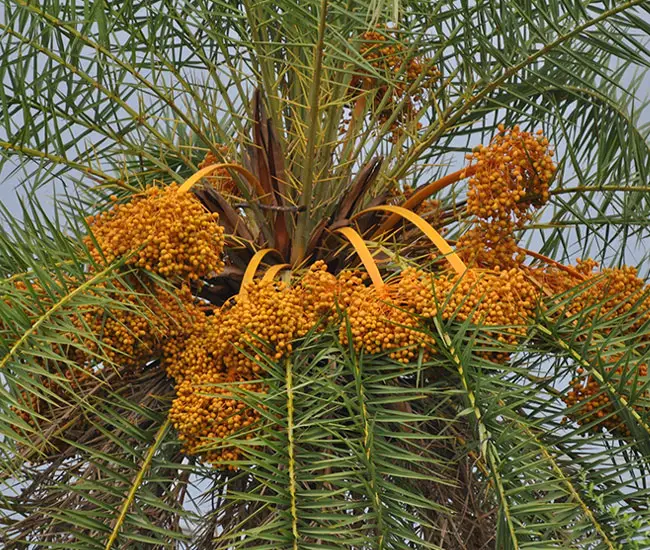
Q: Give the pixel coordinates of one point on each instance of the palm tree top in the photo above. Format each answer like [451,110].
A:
[310,277]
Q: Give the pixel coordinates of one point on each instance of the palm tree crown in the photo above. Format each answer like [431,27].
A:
[324,274]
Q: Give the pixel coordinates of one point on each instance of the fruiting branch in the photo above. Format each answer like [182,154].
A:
[550,261]
[426,228]
[364,254]
[272,271]
[255,262]
[422,194]
[204,172]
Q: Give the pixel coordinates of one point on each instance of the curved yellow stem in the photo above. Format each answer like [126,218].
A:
[252,266]
[426,228]
[425,192]
[566,268]
[204,172]
[364,254]
[272,271]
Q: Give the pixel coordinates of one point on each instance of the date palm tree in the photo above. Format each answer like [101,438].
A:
[298,274]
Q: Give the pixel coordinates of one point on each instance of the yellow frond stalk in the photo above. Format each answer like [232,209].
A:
[424,193]
[253,265]
[208,170]
[364,254]
[436,238]
[272,271]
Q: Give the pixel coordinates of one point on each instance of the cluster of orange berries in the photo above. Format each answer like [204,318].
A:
[610,293]
[76,378]
[389,54]
[388,319]
[20,293]
[512,174]
[604,295]
[593,405]
[266,317]
[490,245]
[221,356]
[163,231]
[65,385]
[509,177]
[411,77]
[210,410]
[122,337]
[205,408]
[131,332]
[196,351]
[220,179]
[391,319]
[554,280]
[504,299]
[223,352]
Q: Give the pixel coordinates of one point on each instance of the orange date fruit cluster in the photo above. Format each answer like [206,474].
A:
[163,231]
[406,78]
[591,402]
[504,299]
[511,178]
[132,330]
[207,411]
[42,411]
[227,348]
[378,322]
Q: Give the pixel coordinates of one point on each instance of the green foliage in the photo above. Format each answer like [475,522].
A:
[354,451]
